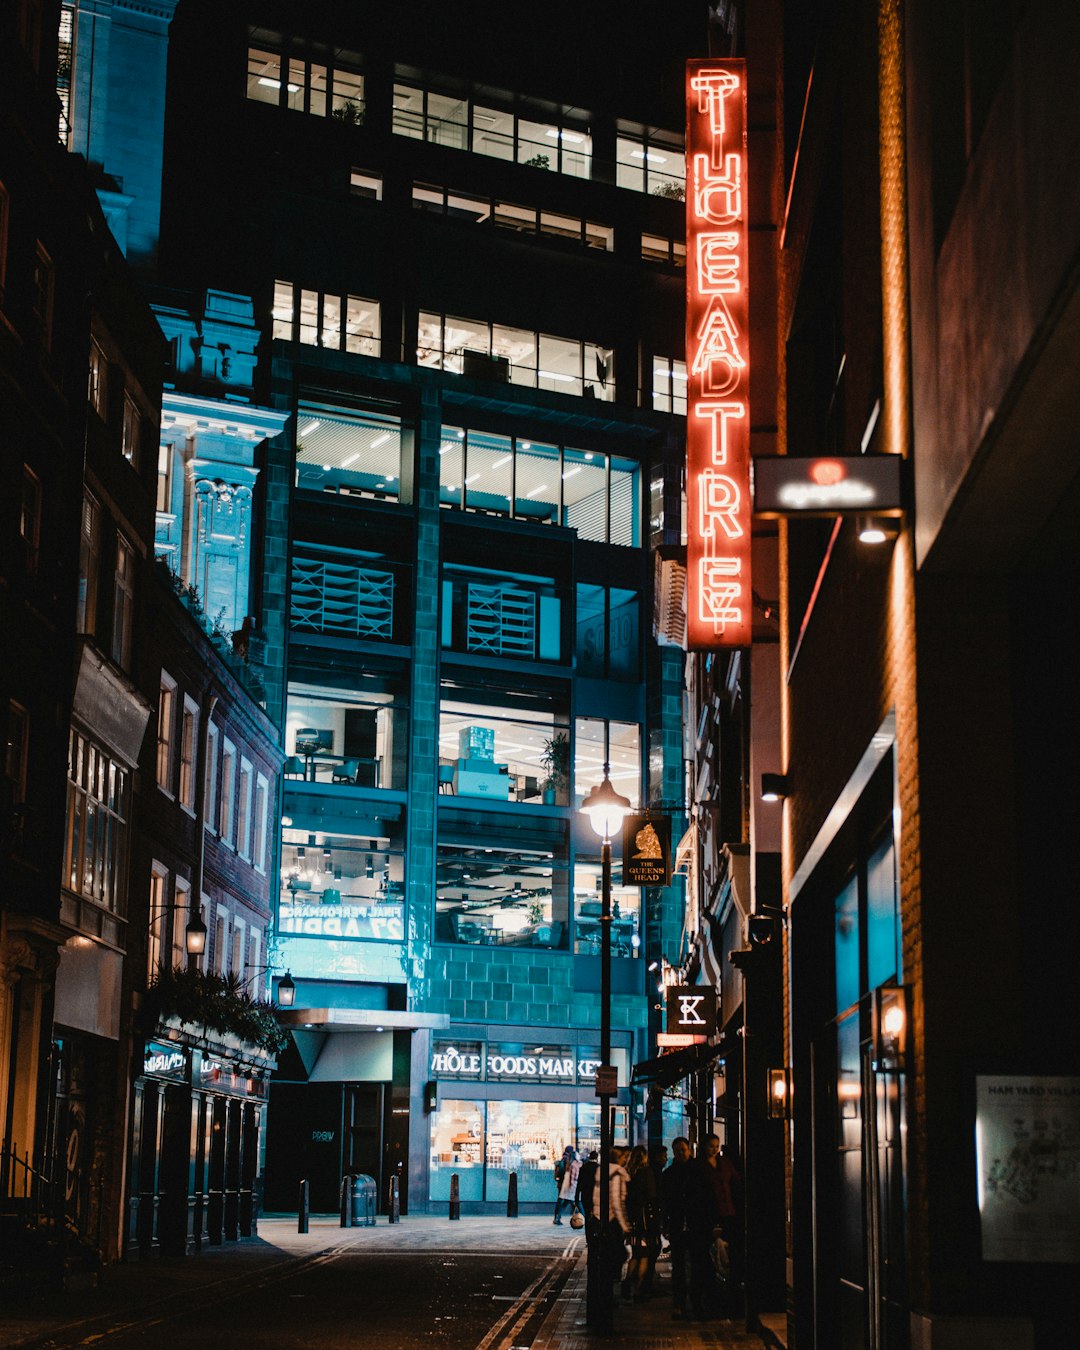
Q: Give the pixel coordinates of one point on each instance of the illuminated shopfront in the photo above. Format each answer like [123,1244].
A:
[508,1107]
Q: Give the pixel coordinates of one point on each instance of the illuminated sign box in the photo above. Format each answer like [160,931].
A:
[829,485]
[719,595]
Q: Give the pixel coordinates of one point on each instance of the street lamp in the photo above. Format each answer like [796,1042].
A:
[286,991]
[195,934]
[605,809]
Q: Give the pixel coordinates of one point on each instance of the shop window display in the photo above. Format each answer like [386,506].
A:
[457,1145]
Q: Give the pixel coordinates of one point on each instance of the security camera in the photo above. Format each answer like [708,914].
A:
[760,929]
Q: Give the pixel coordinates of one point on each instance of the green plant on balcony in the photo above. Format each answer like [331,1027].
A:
[216,1003]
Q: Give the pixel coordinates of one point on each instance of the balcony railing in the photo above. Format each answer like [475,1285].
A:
[343,599]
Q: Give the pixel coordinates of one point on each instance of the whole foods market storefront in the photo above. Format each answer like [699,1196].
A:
[505,1107]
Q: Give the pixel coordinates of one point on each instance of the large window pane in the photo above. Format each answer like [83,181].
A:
[560,364]
[451,466]
[465,340]
[495,754]
[362,326]
[429,340]
[348,105]
[536,492]
[500,613]
[264,76]
[408,111]
[517,346]
[882,920]
[527,1138]
[460,206]
[538,144]
[588,907]
[493,133]
[576,149]
[309,318]
[617,744]
[489,473]
[447,121]
[599,365]
[585,493]
[623,634]
[356,453]
[625,503]
[283,310]
[590,640]
[501,897]
[629,164]
[457,1146]
[521,219]
[847,946]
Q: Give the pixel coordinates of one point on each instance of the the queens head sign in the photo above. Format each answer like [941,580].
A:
[717,354]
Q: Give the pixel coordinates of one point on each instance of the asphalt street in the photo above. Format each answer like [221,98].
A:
[478,1284]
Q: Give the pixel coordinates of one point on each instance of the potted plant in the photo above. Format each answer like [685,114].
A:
[556,762]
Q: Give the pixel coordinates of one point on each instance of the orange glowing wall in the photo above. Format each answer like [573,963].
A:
[717,358]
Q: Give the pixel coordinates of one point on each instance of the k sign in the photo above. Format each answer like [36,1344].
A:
[691,1010]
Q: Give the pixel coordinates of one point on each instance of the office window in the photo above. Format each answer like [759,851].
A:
[651,162]
[669,385]
[659,248]
[30,518]
[304,81]
[159,920]
[498,745]
[228,791]
[210,797]
[131,432]
[98,390]
[588,904]
[501,895]
[243,813]
[89,566]
[123,602]
[598,742]
[364,183]
[42,294]
[166,732]
[96,837]
[355,453]
[181,915]
[262,800]
[482,350]
[189,740]
[340,323]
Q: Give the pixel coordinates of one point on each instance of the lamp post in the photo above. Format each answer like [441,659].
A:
[605,809]
[195,936]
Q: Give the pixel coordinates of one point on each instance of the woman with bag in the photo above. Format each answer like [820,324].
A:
[566,1179]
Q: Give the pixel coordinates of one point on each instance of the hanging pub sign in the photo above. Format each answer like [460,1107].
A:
[718,605]
[646,850]
[830,485]
[690,1010]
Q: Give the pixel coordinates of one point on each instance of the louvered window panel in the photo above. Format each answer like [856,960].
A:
[341,597]
[501,621]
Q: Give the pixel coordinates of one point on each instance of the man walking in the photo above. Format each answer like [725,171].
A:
[675,1188]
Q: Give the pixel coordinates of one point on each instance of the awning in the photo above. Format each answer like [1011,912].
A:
[666,1070]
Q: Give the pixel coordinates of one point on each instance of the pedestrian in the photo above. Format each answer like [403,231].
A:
[585,1183]
[641,1196]
[614,1228]
[657,1162]
[675,1200]
[702,1218]
[566,1179]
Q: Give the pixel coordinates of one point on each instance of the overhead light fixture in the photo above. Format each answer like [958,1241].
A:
[306,431]
[774,787]
[380,440]
[351,459]
[876,529]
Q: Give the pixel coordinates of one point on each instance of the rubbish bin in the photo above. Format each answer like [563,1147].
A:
[363,1201]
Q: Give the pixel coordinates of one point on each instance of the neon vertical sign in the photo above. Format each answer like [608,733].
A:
[717,352]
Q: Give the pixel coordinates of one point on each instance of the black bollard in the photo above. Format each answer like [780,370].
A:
[455,1197]
[394,1207]
[346,1201]
[302,1215]
[511,1197]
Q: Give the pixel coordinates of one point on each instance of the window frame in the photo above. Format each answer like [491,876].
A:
[43,294]
[166,733]
[123,615]
[245,786]
[210,786]
[189,751]
[227,803]
[30,501]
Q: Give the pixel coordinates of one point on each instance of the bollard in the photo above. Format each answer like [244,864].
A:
[394,1207]
[302,1215]
[511,1197]
[346,1201]
[455,1197]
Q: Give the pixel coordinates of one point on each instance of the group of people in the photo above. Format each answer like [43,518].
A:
[695,1203]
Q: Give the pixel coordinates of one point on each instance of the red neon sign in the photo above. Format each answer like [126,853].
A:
[717,352]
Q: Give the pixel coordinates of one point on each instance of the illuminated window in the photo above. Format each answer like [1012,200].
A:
[243,812]
[362,183]
[166,731]
[131,432]
[210,795]
[651,162]
[451,121]
[95,847]
[65,53]
[340,323]
[189,734]
[228,791]
[499,895]
[180,917]
[123,602]
[482,350]
[659,248]
[164,477]
[669,385]
[596,495]
[262,798]
[89,566]
[159,920]
[618,744]
[319,83]
[98,385]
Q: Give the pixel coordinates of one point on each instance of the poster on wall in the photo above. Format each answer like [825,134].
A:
[1027,1151]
